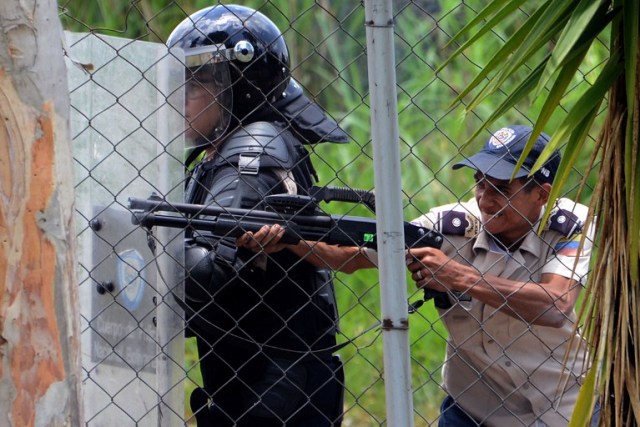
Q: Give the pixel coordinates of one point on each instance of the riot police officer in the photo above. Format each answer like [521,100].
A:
[264,323]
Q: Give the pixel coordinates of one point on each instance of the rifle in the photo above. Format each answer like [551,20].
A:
[299,215]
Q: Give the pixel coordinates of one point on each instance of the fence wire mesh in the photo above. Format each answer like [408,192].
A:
[140,360]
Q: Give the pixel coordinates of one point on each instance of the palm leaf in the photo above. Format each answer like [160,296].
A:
[570,37]
[500,8]
[583,107]
[576,126]
[547,22]
[551,104]
[512,99]
[586,398]
[518,56]
[574,148]
[500,56]
[631,11]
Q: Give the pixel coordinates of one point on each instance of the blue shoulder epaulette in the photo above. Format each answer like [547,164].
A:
[565,222]
[457,223]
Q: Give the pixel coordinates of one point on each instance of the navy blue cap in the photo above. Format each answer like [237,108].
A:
[500,154]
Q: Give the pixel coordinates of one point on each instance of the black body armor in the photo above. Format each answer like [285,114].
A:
[265,324]
[245,298]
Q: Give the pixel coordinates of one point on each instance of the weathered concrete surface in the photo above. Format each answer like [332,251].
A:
[39,345]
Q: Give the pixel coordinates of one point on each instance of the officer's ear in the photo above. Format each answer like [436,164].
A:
[543,192]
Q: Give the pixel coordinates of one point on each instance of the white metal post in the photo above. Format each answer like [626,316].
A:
[388,184]
[170,260]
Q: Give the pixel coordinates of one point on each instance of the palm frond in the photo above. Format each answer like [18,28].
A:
[498,9]
[570,38]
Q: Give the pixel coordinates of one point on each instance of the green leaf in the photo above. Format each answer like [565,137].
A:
[575,127]
[574,149]
[554,12]
[529,45]
[584,106]
[578,24]
[552,102]
[504,11]
[586,398]
[511,100]
[501,55]
[550,18]
[631,11]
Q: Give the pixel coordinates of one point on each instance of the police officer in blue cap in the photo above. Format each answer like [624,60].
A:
[512,285]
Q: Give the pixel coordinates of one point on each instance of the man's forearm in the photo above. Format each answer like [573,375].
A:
[546,303]
[346,259]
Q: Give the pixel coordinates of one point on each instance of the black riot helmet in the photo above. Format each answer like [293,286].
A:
[235,46]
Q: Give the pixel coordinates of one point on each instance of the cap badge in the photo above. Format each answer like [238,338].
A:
[502,137]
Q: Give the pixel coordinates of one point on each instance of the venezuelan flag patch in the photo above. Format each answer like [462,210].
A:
[567,248]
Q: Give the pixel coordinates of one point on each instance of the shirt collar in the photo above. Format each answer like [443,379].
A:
[531,242]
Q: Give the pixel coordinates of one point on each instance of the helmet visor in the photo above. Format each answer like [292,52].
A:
[208,97]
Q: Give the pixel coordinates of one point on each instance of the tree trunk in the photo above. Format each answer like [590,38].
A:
[40,366]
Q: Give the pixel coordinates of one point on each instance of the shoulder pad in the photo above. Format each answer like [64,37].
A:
[565,222]
[256,145]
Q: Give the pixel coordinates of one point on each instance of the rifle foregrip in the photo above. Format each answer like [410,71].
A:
[235,227]
[354,195]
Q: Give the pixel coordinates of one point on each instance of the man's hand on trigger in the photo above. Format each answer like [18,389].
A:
[430,268]
[267,239]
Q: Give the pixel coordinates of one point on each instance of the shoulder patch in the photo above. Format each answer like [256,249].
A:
[457,223]
[567,247]
[565,222]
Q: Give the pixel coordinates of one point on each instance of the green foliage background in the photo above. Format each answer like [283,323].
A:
[328,47]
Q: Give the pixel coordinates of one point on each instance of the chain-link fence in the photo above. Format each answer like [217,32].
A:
[255,332]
